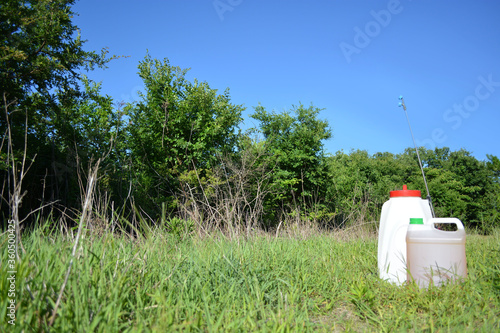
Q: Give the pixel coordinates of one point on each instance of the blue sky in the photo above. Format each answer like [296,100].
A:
[351,58]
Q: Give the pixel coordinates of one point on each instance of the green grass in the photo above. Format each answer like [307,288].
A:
[315,283]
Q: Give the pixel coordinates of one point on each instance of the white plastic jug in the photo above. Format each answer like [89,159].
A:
[396,213]
[435,256]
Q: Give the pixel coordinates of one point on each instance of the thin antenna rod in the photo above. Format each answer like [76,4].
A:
[402,103]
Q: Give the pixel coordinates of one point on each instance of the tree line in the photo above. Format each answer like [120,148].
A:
[177,154]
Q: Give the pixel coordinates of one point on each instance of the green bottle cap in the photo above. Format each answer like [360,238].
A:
[416,221]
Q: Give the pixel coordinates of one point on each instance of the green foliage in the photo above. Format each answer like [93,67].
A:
[178,126]
[43,94]
[493,165]
[40,57]
[459,184]
[40,52]
[180,228]
[294,144]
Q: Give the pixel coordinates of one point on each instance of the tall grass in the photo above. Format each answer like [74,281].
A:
[293,282]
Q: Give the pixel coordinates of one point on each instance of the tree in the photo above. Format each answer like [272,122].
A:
[491,217]
[460,185]
[360,183]
[41,57]
[348,188]
[177,127]
[294,141]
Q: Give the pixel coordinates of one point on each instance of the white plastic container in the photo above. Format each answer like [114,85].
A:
[396,213]
[436,256]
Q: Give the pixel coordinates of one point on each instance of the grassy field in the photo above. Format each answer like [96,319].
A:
[296,282]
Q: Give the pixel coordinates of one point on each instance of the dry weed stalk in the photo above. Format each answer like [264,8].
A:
[15,176]
[231,200]
[85,217]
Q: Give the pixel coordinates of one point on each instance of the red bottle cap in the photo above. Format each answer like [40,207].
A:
[405,192]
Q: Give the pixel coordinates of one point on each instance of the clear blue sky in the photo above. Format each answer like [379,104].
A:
[351,58]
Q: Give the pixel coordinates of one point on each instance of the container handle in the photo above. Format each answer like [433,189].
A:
[448,220]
